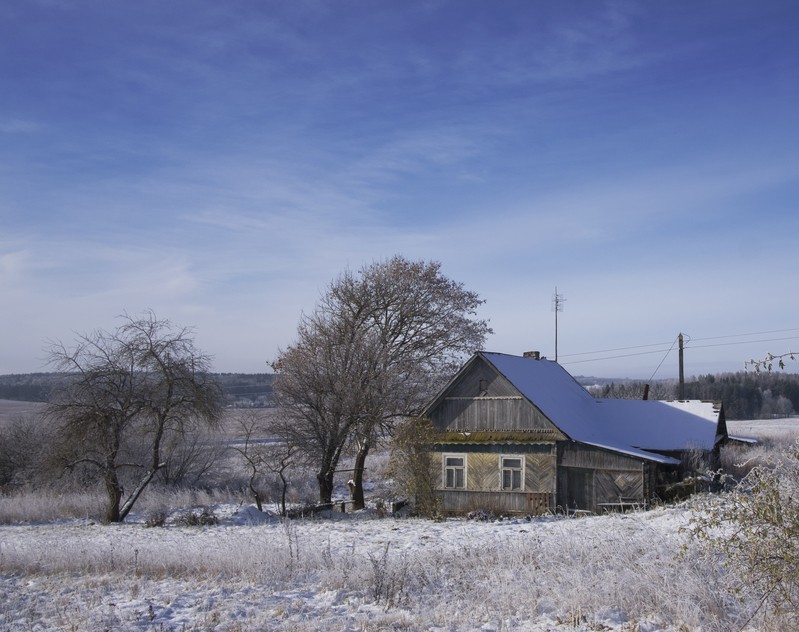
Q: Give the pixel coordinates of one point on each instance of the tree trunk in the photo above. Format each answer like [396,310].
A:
[256,496]
[358,501]
[137,492]
[325,479]
[285,484]
[114,491]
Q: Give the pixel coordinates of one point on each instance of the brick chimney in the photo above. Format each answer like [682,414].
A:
[535,355]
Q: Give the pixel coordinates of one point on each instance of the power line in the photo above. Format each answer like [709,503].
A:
[756,333]
[689,345]
[661,344]
[741,342]
[626,355]
[657,344]
[664,358]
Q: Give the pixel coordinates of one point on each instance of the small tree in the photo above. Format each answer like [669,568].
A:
[251,426]
[280,458]
[131,391]
[412,464]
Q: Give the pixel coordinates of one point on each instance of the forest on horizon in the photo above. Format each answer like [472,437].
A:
[745,395]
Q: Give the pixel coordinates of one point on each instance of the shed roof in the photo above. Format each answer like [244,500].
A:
[633,427]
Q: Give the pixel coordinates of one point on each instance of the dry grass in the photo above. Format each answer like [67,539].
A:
[579,571]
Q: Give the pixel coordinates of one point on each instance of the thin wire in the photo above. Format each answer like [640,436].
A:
[660,344]
[657,344]
[625,355]
[664,358]
[630,355]
[756,333]
[741,342]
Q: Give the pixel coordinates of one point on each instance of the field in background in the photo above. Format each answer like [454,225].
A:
[11,409]
[766,429]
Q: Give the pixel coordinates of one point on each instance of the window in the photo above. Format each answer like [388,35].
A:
[455,472]
[512,472]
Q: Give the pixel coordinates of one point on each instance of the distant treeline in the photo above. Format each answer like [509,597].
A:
[749,395]
[745,395]
[242,390]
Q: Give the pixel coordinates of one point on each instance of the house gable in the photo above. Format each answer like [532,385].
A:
[481,404]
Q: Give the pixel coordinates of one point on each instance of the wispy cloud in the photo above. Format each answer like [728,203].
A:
[17,126]
[221,165]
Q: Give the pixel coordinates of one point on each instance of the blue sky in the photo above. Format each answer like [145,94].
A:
[221,162]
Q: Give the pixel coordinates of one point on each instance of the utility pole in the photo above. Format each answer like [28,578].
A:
[557,306]
[682,370]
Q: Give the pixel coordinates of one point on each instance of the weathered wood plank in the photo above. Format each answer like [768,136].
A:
[498,503]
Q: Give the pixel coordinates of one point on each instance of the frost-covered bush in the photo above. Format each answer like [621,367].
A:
[156,517]
[412,466]
[198,518]
[755,530]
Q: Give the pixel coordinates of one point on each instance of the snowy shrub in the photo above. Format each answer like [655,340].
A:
[194,518]
[388,580]
[481,514]
[754,529]
[155,517]
[412,466]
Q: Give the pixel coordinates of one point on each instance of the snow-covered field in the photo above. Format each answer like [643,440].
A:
[634,572]
[359,572]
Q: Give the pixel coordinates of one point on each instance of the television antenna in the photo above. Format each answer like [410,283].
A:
[557,306]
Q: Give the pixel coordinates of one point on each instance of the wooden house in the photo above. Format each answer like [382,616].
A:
[518,434]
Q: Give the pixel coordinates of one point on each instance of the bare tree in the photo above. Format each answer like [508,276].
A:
[131,391]
[264,451]
[250,426]
[24,441]
[378,345]
[319,404]
[279,459]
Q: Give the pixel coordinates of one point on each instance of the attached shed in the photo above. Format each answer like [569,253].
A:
[519,434]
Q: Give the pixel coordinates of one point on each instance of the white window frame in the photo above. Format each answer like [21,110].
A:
[521,471]
[446,467]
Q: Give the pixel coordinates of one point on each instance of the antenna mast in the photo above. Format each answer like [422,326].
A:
[557,306]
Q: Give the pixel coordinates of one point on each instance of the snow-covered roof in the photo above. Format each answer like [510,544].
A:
[633,427]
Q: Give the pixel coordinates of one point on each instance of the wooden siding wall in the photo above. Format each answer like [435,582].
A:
[462,502]
[483,481]
[589,478]
[484,400]
[507,414]
[580,455]
[494,384]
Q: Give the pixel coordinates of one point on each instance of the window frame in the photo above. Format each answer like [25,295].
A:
[512,470]
[463,468]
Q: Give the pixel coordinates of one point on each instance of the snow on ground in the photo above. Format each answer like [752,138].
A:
[764,427]
[634,572]
[358,572]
